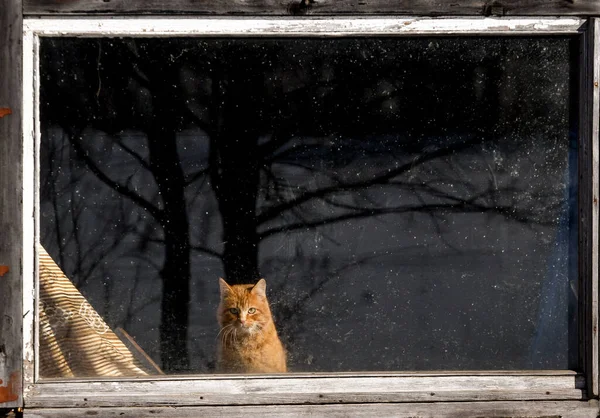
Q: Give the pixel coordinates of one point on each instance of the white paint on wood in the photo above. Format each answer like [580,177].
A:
[147,27]
[30,207]
[289,389]
[567,409]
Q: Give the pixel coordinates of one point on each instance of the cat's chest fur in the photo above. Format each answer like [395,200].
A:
[247,356]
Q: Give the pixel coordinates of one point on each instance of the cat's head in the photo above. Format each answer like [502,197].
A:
[244,307]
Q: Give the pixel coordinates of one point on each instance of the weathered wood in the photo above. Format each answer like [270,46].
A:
[592,302]
[291,27]
[30,188]
[422,410]
[593,380]
[11,213]
[521,386]
[289,389]
[319,7]
[589,120]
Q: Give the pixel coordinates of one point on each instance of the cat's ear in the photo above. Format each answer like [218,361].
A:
[260,288]
[225,288]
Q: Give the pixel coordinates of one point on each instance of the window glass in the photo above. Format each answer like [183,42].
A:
[410,202]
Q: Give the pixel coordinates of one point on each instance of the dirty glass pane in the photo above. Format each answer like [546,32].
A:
[411,203]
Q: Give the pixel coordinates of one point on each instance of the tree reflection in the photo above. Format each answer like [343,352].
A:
[289,136]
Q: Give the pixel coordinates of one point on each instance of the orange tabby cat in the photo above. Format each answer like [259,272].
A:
[248,341]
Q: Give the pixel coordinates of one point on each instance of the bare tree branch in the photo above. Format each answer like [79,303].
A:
[133,154]
[124,190]
[462,207]
[383,178]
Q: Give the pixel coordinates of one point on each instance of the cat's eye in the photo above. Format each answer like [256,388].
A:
[251,310]
[233,310]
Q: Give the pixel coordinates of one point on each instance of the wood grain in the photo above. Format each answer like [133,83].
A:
[592,301]
[11,215]
[318,7]
[588,204]
[173,26]
[291,389]
[191,398]
[421,410]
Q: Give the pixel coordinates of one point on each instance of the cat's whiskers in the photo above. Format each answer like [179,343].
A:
[222,330]
[227,334]
[222,335]
[232,337]
[234,340]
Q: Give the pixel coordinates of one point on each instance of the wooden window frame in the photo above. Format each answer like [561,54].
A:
[489,393]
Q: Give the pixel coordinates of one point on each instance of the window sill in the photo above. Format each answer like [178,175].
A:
[307,389]
[452,409]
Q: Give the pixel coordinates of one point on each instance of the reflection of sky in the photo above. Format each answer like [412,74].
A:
[557,314]
[443,265]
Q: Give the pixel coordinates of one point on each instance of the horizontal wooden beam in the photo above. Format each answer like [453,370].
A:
[291,389]
[453,409]
[265,26]
[317,7]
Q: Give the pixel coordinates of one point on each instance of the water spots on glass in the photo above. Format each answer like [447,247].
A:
[402,197]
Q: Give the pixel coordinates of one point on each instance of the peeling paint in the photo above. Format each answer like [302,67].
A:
[10,392]
[3,270]
[5,111]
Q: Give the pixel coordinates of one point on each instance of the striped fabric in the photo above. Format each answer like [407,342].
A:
[74,340]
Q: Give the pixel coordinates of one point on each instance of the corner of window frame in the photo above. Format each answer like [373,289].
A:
[390,395]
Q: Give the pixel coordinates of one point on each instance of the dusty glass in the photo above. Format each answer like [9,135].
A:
[411,202]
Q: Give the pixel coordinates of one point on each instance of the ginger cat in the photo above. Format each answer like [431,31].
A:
[248,341]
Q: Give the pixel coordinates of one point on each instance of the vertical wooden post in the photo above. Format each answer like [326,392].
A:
[589,123]
[11,209]
[595,177]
